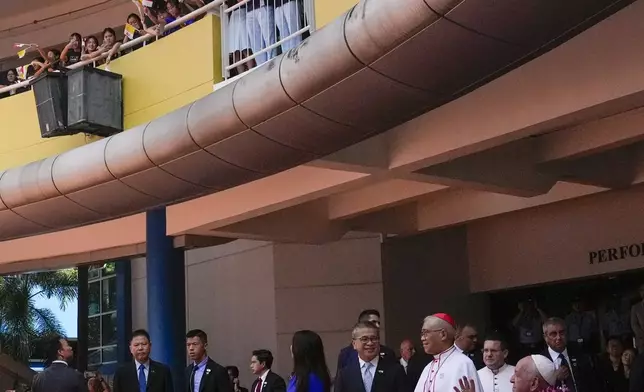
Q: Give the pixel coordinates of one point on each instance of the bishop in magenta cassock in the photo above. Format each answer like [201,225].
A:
[449,365]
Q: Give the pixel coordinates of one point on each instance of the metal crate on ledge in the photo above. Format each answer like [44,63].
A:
[95,101]
[50,91]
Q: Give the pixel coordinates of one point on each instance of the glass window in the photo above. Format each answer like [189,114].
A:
[109,354]
[94,298]
[102,322]
[108,332]
[108,288]
[93,332]
[109,269]
[94,357]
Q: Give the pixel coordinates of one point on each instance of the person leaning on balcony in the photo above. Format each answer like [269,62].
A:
[238,40]
[11,78]
[110,46]
[260,26]
[173,13]
[288,15]
[72,52]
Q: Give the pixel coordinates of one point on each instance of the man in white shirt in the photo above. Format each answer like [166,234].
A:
[496,375]
[407,350]
[449,365]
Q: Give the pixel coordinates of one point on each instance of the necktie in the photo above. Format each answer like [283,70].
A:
[367,377]
[259,385]
[569,382]
[142,381]
[192,377]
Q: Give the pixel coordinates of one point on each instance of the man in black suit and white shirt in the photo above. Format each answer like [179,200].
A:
[370,373]
[575,369]
[59,377]
[204,374]
[144,375]
[267,381]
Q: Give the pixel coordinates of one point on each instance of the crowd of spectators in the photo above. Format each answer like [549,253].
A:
[151,18]
[257,31]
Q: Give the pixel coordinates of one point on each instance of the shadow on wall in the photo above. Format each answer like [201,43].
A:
[426,274]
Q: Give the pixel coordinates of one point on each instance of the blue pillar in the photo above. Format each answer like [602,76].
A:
[166,286]
[123,310]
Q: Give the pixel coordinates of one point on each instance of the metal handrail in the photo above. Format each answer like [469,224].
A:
[129,44]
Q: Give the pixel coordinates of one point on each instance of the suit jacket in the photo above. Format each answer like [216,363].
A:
[389,377]
[583,370]
[126,378]
[637,324]
[214,379]
[416,366]
[477,358]
[59,378]
[273,383]
[349,354]
[636,381]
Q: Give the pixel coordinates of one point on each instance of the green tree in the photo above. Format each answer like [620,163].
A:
[22,324]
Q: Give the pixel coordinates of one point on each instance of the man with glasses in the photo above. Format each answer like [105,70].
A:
[496,375]
[369,373]
[450,365]
[575,370]
[348,354]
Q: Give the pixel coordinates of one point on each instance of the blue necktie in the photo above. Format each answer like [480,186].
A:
[192,378]
[367,378]
[142,382]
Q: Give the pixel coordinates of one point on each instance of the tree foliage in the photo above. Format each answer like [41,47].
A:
[22,324]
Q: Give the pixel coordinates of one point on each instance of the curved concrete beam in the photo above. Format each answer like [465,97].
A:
[377,66]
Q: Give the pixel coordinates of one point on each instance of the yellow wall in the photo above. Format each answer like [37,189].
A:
[328,10]
[171,73]
[157,79]
[20,140]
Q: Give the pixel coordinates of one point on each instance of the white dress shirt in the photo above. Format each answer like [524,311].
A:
[262,381]
[404,364]
[498,381]
[557,361]
[443,373]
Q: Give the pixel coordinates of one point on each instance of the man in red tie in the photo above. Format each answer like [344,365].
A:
[267,381]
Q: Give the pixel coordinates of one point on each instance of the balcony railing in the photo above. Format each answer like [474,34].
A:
[211,7]
[252,32]
[255,31]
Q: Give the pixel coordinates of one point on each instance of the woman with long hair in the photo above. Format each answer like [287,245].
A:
[310,372]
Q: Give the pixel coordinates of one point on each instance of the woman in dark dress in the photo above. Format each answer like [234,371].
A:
[310,372]
[611,368]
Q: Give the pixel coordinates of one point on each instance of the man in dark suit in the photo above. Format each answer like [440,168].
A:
[636,382]
[369,372]
[266,381]
[348,354]
[58,376]
[575,369]
[204,374]
[144,375]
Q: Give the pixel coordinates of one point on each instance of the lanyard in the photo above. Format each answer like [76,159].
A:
[431,377]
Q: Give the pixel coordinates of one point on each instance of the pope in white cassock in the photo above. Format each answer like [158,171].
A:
[496,375]
[445,373]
